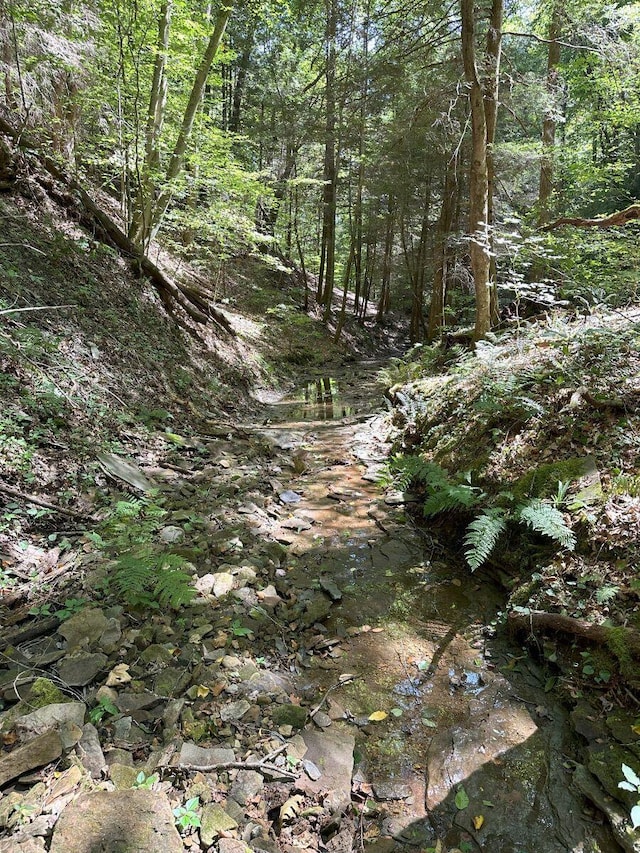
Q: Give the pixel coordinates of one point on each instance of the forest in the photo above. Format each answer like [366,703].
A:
[319,426]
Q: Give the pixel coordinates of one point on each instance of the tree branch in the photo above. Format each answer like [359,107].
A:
[621,217]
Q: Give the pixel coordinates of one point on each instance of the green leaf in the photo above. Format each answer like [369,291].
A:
[630,775]
[462,799]
[546,519]
[635,816]
[482,535]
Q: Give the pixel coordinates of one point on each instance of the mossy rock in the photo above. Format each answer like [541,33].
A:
[542,482]
[289,715]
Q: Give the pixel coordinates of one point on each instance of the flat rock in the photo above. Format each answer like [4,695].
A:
[90,751]
[332,753]
[127,702]
[247,784]
[37,752]
[223,583]
[135,821]
[215,820]
[84,628]
[234,710]
[193,755]
[171,534]
[50,717]
[232,845]
[81,669]
[391,791]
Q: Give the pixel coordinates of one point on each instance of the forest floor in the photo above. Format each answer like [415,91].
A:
[225,621]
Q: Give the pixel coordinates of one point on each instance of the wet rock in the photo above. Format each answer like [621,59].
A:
[90,751]
[192,755]
[289,715]
[586,721]
[37,752]
[391,791]
[316,610]
[81,668]
[50,717]
[247,784]
[215,821]
[328,586]
[605,762]
[84,629]
[135,821]
[332,752]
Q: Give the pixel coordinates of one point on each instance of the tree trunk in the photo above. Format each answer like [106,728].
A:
[442,251]
[545,192]
[385,286]
[179,152]
[479,243]
[491,87]
[328,247]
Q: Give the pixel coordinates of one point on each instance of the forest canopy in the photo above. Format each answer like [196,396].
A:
[408,153]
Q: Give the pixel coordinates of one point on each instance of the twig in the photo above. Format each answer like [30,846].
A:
[32,499]
[36,307]
[23,246]
[335,686]
[262,765]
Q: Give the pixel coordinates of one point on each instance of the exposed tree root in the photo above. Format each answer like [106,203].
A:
[621,217]
[194,302]
[539,621]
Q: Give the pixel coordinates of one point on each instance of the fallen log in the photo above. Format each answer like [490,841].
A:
[620,217]
[539,621]
[189,298]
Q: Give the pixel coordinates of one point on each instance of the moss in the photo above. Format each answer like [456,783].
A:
[542,482]
[523,593]
[44,692]
[618,647]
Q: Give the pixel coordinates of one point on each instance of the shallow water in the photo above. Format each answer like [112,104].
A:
[479,751]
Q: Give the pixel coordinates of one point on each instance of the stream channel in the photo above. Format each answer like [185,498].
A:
[473,753]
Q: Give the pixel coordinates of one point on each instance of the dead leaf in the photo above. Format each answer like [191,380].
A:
[118,675]
[290,809]
[478,821]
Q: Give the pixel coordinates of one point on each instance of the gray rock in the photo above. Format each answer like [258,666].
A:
[123,776]
[172,681]
[391,791]
[234,710]
[328,586]
[247,784]
[332,751]
[157,654]
[289,715]
[37,752]
[128,702]
[171,534]
[232,845]
[135,821]
[204,585]
[289,497]
[81,668]
[84,628]
[90,751]
[193,755]
[50,717]
[215,821]
[111,636]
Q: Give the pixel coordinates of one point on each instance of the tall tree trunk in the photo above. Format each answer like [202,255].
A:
[328,248]
[442,251]
[384,299]
[549,123]
[491,87]
[479,244]
[180,149]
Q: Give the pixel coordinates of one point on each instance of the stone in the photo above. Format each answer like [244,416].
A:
[232,845]
[50,717]
[247,784]
[269,597]
[37,752]
[171,681]
[82,668]
[90,752]
[215,821]
[204,585]
[171,534]
[84,629]
[391,791]
[223,583]
[289,715]
[157,654]
[193,755]
[328,586]
[129,702]
[123,776]
[289,497]
[134,821]
[234,710]
[111,636]
[332,753]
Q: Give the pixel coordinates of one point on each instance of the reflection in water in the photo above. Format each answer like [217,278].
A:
[320,401]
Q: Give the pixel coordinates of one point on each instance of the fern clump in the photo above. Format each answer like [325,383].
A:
[546,519]
[482,536]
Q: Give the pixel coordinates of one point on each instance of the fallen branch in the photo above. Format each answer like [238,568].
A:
[261,765]
[621,217]
[540,621]
[32,499]
[188,298]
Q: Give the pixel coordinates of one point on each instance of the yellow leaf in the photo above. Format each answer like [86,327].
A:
[635,730]
[202,691]
[377,716]
[478,821]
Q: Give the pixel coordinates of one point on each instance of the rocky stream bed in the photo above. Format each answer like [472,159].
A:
[340,683]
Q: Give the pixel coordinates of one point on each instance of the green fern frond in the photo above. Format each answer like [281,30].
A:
[545,519]
[148,580]
[482,535]
[607,593]
[414,469]
[450,496]
[133,576]
[173,586]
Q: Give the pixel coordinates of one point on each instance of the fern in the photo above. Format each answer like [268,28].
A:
[607,593]
[450,496]
[153,581]
[545,519]
[414,469]
[482,535]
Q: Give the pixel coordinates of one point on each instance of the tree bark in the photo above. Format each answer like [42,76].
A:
[491,89]
[326,277]
[442,251]
[545,192]
[621,217]
[479,243]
